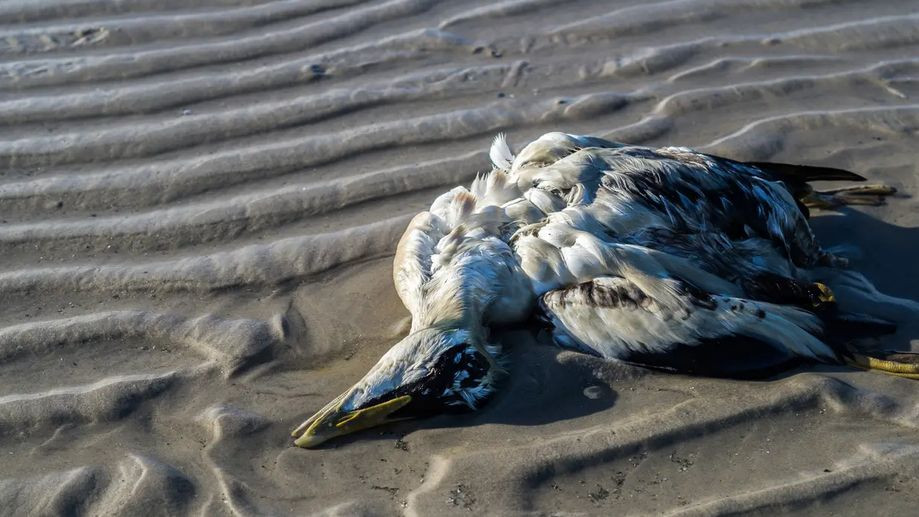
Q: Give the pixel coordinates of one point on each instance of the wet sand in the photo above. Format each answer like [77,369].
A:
[199,208]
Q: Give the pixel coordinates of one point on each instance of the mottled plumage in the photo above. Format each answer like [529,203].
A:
[666,257]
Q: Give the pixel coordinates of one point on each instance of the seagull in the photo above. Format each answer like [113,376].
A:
[667,258]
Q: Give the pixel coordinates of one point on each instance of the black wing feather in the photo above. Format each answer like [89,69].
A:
[792,174]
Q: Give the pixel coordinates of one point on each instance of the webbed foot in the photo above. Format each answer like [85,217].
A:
[872,195]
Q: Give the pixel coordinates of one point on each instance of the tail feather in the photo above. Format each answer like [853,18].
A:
[791,173]
[851,325]
[843,328]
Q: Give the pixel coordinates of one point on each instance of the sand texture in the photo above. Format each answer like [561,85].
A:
[199,206]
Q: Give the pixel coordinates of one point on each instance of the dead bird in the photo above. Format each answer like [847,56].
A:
[668,258]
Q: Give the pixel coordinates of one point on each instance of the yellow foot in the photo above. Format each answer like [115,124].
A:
[901,364]
[857,195]
[824,295]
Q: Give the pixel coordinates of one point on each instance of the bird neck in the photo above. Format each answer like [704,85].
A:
[458,295]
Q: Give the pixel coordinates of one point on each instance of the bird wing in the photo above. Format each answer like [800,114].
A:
[627,188]
[695,332]
[560,255]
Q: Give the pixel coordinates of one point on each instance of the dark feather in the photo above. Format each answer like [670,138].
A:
[772,288]
[845,326]
[794,174]
[734,357]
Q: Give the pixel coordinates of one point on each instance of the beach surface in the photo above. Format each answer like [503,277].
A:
[199,206]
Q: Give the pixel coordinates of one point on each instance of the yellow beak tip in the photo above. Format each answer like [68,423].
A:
[309,441]
[303,444]
[325,427]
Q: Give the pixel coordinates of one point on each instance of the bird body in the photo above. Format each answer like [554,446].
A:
[668,258]
[608,212]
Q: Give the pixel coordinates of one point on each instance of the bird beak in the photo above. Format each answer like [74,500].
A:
[331,421]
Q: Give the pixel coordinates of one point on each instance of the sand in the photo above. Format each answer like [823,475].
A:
[199,208]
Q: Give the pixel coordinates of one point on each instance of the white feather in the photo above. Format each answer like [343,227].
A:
[644,324]
[500,153]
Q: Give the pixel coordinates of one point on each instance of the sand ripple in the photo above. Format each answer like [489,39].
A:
[198,205]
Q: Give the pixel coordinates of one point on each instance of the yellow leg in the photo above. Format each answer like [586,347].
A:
[857,195]
[898,364]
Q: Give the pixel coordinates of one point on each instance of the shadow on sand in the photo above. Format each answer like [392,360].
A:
[888,252]
[886,255]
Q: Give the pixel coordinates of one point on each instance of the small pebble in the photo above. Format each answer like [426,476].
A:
[593,392]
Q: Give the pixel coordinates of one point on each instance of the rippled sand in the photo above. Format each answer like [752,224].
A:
[199,208]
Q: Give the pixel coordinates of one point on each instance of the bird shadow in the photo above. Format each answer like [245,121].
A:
[543,384]
[886,255]
[887,252]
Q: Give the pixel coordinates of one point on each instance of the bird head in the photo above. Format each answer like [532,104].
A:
[431,371]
